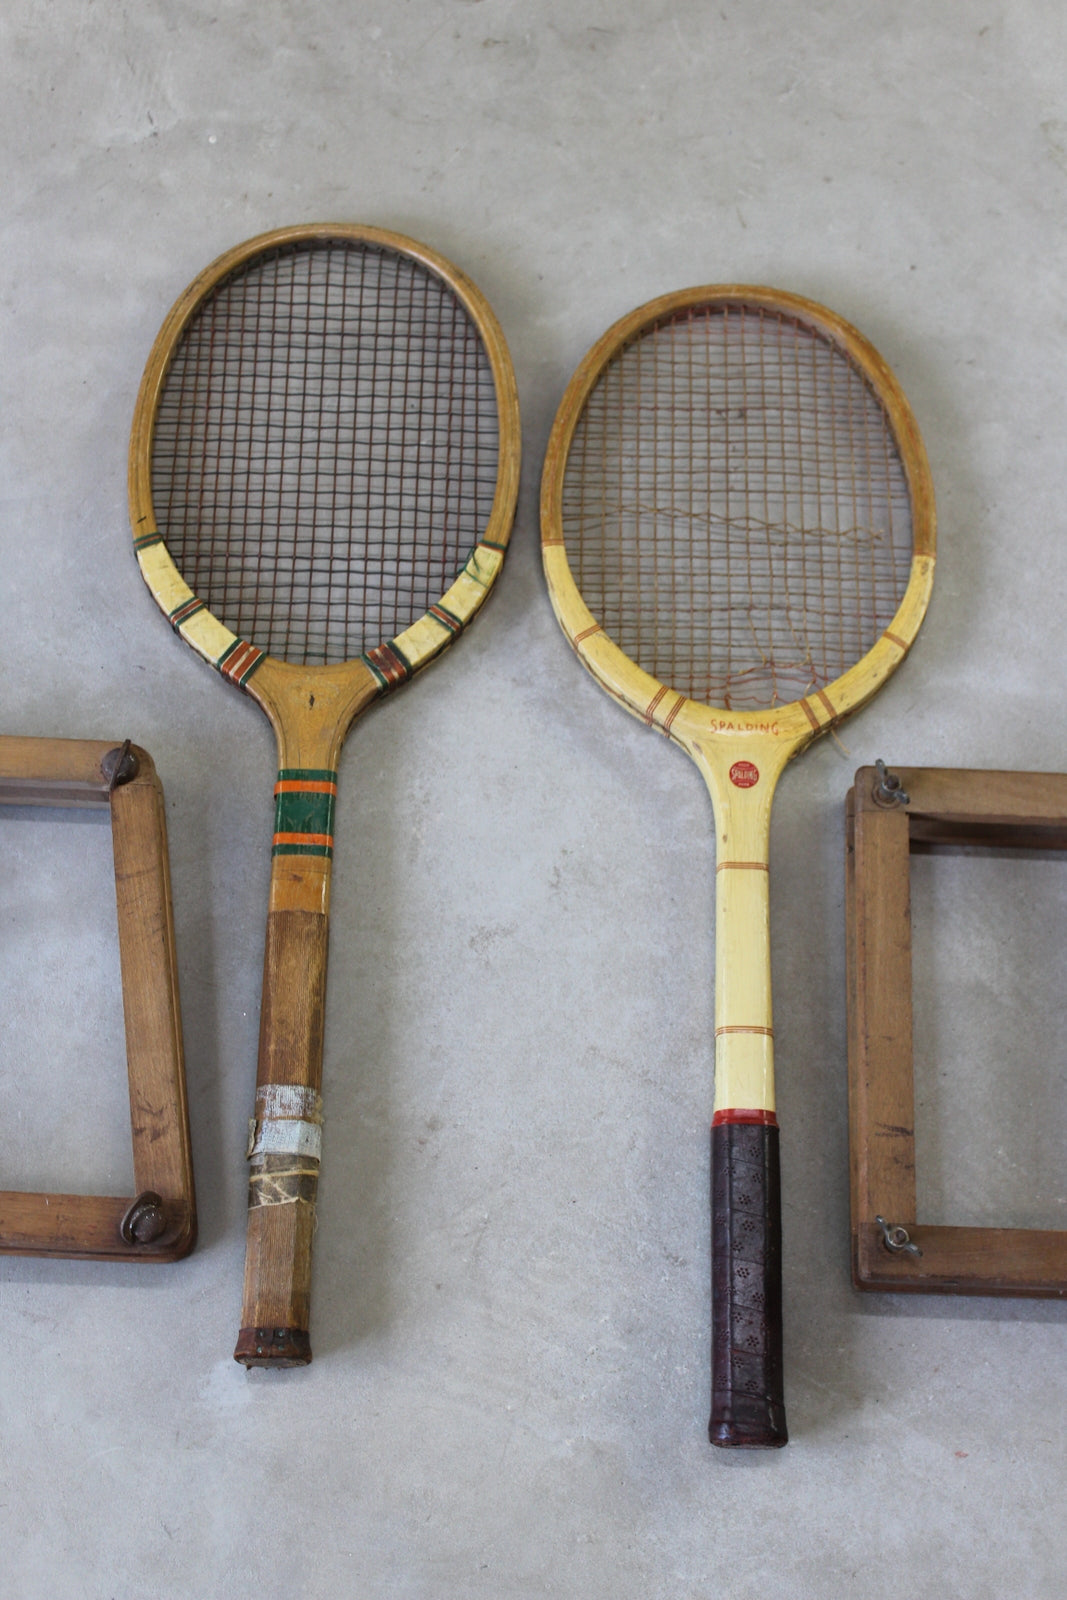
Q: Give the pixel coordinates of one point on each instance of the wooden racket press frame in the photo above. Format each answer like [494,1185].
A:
[919,808]
[158,1223]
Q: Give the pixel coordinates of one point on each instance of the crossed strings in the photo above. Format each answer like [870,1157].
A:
[326,448]
[735,510]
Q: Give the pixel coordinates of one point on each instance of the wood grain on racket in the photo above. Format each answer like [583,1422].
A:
[323,471]
[738,537]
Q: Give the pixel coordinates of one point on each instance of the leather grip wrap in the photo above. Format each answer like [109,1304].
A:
[747,1407]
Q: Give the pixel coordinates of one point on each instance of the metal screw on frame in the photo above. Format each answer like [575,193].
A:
[119,766]
[144,1221]
[897,1239]
[887,791]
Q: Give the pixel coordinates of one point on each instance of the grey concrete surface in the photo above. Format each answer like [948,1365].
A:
[509,1396]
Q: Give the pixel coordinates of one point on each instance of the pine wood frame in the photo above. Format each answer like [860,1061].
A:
[74,772]
[1015,810]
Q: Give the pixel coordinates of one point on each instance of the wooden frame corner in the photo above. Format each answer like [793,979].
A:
[158,1222]
[928,806]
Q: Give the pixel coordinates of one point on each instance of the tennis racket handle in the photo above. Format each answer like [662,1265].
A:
[748,1407]
[284,1144]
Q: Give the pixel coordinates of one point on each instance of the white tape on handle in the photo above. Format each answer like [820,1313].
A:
[288,1122]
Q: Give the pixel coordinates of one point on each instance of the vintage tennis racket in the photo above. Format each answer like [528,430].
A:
[323,473]
[738,530]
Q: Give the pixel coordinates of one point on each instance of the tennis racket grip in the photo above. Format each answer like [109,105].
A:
[748,1407]
[284,1144]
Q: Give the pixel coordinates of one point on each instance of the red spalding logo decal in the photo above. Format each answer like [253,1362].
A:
[744,774]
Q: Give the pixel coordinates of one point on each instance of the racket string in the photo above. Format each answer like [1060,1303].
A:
[326,447]
[735,510]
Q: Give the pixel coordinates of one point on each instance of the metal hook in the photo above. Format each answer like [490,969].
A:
[897,1239]
[887,791]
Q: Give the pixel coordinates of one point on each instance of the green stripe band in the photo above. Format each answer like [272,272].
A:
[298,811]
[389,664]
[245,656]
[187,609]
[446,618]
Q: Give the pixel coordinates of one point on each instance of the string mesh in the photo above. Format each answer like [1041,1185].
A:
[735,511]
[325,451]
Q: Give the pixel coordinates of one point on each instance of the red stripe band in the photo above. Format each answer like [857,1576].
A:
[388,665]
[183,612]
[678,704]
[760,1119]
[650,714]
[239,661]
[296,786]
[812,718]
[446,619]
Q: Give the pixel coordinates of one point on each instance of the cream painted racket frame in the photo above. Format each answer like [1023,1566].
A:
[741,755]
[718,739]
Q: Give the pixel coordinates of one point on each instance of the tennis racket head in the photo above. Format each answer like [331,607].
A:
[324,456]
[737,514]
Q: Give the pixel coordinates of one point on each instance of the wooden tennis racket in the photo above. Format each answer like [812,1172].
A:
[738,530]
[323,472]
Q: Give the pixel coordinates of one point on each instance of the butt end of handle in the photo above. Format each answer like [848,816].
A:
[273,1347]
[276,1308]
[747,1422]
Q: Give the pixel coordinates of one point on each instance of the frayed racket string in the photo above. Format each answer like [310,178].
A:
[731,466]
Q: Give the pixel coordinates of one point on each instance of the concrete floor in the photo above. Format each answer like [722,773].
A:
[510,1390]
